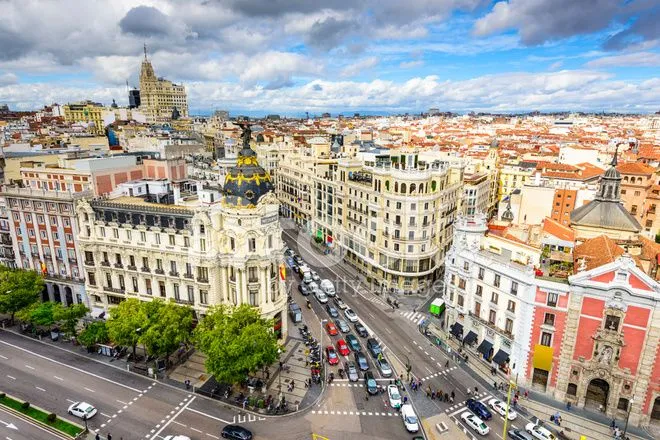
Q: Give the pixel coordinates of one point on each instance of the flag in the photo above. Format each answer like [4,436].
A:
[282,272]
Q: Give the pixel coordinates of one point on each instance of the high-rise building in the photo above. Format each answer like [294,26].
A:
[134,98]
[158,96]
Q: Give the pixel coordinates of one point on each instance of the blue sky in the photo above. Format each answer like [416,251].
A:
[292,56]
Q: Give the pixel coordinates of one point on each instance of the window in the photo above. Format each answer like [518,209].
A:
[108,280]
[202,244]
[122,286]
[460,300]
[147,283]
[186,241]
[128,235]
[188,269]
[637,193]
[252,244]
[118,259]
[157,235]
[173,267]
[202,273]
[40,219]
[514,288]
[546,339]
[145,263]
[131,260]
[204,296]
[176,291]
[410,248]
[53,220]
[159,264]
[161,289]
[633,209]
[461,283]
[135,284]
[494,297]
[552,299]
[479,290]
[102,232]
[511,307]
[143,236]
[202,230]
[91,278]
[252,274]
[549,319]
[466,265]
[253,297]
[496,281]
[232,243]
[492,316]
[270,242]
[477,308]
[31,232]
[172,240]
[396,247]
[115,232]
[453,279]
[191,294]
[612,322]
[43,234]
[508,326]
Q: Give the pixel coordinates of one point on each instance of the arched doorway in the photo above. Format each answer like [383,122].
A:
[597,393]
[655,412]
[56,293]
[68,294]
[44,294]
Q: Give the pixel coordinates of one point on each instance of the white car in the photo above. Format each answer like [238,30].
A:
[500,407]
[321,297]
[539,432]
[394,396]
[82,410]
[475,423]
[350,315]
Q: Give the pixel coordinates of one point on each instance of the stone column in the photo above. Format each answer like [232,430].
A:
[264,285]
[223,294]
[243,292]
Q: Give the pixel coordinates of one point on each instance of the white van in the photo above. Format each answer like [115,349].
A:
[328,287]
[409,418]
[307,277]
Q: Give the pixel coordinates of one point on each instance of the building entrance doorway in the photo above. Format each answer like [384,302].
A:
[597,393]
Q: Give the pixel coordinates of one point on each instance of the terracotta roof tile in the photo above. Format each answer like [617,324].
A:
[596,252]
[558,230]
[635,168]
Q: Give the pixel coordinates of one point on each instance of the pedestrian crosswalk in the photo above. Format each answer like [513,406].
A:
[353,413]
[412,316]
[439,373]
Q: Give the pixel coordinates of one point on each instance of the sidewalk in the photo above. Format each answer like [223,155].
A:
[575,422]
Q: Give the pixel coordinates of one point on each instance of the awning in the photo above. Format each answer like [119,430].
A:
[543,357]
[457,329]
[485,347]
[501,357]
[470,338]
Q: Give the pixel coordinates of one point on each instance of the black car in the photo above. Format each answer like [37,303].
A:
[374,347]
[236,432]
[360,330]
[479,409]
[361,361]
[332,311]
[370,383]
[303,289]
[519,434]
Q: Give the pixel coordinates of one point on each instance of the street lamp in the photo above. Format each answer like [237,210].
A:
[325,372]
[279,374]
[630,404]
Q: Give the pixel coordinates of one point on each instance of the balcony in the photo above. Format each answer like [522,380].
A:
[188,275]
[145,269]
[119,265]
[113,289]
[89,262]
[131,267]
[184,301]
[492,326]
[159,272]
[105,263]
[174,274]
[202,280]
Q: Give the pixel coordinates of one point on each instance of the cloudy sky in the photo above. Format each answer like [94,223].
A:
[292,56]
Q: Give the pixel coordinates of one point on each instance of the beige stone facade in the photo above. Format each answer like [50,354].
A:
[159,97]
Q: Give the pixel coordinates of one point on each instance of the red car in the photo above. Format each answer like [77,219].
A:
[332,330]
[342,347]
[331,355]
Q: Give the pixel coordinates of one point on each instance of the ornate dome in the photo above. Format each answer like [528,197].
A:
[247,182]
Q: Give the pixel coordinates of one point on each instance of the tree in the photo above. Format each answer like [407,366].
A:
[169,326]
[126,323]
[42,314]
[18,289]
[237,342]
[94,333]
[69,317]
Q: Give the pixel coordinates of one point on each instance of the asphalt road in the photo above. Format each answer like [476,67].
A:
[15,428]
[403,344]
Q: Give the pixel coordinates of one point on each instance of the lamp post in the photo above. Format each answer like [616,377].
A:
[279,373]
[630,404]
[325,372]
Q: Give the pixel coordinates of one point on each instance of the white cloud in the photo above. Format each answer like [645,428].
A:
[637,59]
[556,65]
[411,64]
[359,66]
[8,78]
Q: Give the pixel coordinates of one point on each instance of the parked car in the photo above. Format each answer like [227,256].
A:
[332,330]
[82,410]
[361,330]
[353,342]
[342,348]
[350,315]
[361,361]
[298,259]
[374,347]
[500,407]
[236,432]
[475,423]
[321,297]
[316,276]
[313,288]
[351,371]
[479,409]
[342,325]
[370,383]
[289,252]
[331,355]
[328,287]
[303,289]
[409,418]
[394,396]
[519,434]
[341,305]
[332,311]
[539,432]
[384,367]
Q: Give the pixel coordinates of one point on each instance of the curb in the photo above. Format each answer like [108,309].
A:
[41,424]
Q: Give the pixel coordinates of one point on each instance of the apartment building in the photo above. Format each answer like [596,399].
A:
[639,194]
[87,112]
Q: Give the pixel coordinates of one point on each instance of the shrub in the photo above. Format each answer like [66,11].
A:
[51,417]
[25,405]
[261,403]
[2,395]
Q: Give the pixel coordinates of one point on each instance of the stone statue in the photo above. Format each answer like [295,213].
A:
[246,135]
[605,355]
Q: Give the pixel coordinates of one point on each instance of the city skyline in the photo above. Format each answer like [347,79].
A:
[294,56]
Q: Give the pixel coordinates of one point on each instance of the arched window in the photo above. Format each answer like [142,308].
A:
[640,180]
[412,188]
[387,185]
[403,188]
[625,179]
[396,187]
[434,185]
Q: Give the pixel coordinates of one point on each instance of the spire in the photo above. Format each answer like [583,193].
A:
[616,153]
[145,51]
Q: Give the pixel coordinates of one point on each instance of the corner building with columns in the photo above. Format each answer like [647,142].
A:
[216,247]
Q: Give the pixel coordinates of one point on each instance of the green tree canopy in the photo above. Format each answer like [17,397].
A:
[127,321]
[42,314]
[69,317]
[94,333]
[237,342]
[170,325]
[18,289]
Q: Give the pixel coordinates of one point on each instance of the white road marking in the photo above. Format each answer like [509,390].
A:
[58,378]
[31,368]
[123,403]
[388,330]
[68,366]
[172,419]
[89,389]
[211,435]
[105,415]
[11,377]
[428,369]
[195,429]
[179,423]
[40,389]
[70,401]
[4,357]
[206,415]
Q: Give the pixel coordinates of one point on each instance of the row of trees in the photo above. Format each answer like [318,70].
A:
[236,340]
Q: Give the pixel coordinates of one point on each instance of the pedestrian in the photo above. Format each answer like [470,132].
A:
[568,406]
[428,391]
[612,424]
[432,395]
[526,394]
[109,437]
[305,382]
[447,364]
[453,395]
[366,395]
[281,364]
[495,385]
[405,399]
[469,392]
[97,437]
[187,383]
[245,402]
[476,391]
[293,384]
[446,397]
